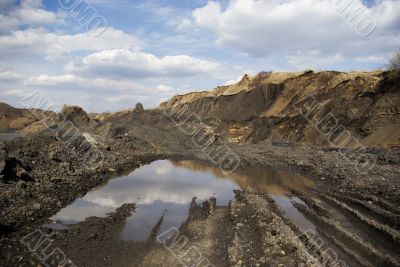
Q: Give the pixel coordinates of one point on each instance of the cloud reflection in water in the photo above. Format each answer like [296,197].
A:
[167,187]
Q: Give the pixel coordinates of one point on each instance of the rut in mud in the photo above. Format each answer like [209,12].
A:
[256,216]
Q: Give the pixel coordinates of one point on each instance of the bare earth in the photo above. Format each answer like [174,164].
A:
[356,211]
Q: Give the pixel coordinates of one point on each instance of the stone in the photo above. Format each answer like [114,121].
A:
[66,165]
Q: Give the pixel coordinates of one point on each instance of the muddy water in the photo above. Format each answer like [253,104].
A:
[167,187]
[9,136]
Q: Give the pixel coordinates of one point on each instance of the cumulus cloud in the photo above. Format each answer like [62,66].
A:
[8,75]
[6,5]
[97,94]
[41,41]
[31,12]
[76,82]
[120,98]
[124,63]
[7,24]
[312,59]
[113,71]
[16,93]
[299,28]
[372,59]
[28,12]
[100,71]
[164,88]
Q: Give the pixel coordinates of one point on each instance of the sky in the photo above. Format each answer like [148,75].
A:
[108,55]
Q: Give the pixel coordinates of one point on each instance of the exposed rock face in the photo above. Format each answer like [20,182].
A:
[307,107]
[13,119]
[301,107]
[77,116]
[243,106]
[251,230]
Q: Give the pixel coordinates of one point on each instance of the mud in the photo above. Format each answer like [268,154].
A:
[351,207]
[355,215]
[56,178]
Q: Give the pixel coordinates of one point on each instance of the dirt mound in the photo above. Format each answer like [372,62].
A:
[13,119]
[77,116]
[301,107]
[270,115]
[307,107]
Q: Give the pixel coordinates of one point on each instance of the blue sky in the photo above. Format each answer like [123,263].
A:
[150,50]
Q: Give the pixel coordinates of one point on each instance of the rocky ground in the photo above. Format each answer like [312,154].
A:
[251,231]
[41,175]
[354,205]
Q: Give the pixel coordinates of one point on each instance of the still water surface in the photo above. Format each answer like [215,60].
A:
[167,187]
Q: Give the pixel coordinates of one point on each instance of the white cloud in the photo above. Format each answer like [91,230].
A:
[112,71]
[6,5]
[45,79]
[313,59]
[373,59]
[121,98]
[31,13]
[296,29]
[7,24]
[10,76]
[29,4]
[16,93]
[104,72]
[164,88]
[28,12]
[129,64]
[185,24]
[72,80]
[40,41]
[97,94]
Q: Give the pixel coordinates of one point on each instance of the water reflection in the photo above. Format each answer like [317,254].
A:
[257,177]
[260,178]
[156,188]
[167,187]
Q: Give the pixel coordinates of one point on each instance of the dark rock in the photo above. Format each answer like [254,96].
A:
[139,107]
[14,170]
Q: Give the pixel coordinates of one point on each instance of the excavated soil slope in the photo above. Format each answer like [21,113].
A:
[273,106]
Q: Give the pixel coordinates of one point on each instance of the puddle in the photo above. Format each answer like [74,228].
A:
[9,136]
[167,187]
[286,205]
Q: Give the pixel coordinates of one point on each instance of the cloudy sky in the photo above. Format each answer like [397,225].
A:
[127,51]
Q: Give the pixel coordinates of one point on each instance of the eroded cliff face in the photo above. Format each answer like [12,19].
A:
[312,107]
[14,119]
[326,108]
